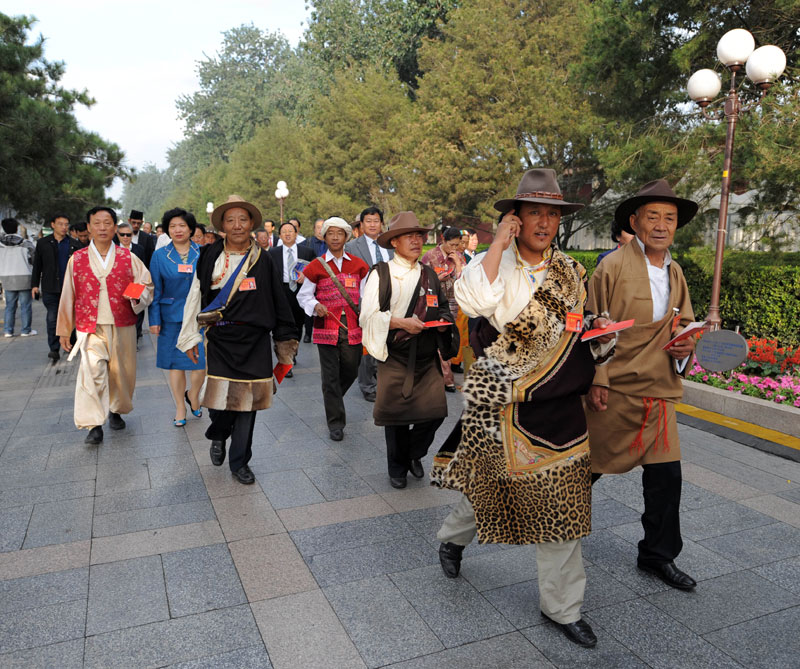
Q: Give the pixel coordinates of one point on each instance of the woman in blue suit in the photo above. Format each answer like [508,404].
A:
[172,268]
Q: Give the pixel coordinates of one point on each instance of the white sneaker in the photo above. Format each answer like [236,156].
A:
[7,334]
[29,334]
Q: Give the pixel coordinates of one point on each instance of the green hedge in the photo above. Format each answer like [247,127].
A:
[760,291]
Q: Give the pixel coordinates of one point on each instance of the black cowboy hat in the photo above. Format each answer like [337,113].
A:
[539,185]
[656,191]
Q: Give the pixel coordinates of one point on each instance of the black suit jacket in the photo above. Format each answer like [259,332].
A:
[303,252]
[148,244]
[44,274]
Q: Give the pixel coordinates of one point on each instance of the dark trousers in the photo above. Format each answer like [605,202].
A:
[405,443]
[309,323]
[238,426]
[297,311]
[50,301]
[661,485]
[368,375]
[139,321]
[339,365]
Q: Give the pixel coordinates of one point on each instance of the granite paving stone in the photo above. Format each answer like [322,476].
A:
[46,493]
[776,507]
[150,498]
[722,519]
[301,631]
[33,592]
[220,483]
[494,570]
[656,638]
[263,463]
[122,476]
[760,545]
[125,522]
[717,483]
[337,482]
[64,655]
[289,488]
[381,622]
[201,579]
[60,522]
[47,478]
[270,567]
[724,601]
[352,534]
[13,525]
[559,650]
[173,470]
[252,657]
[784,573]
[246,516]
[330,513]
[42,626]
[452,608]
[33,561]
[126,594]
[173,641]
[768,642]
[72,455]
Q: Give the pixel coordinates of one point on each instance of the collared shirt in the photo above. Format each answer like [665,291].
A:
[109,254]
[62,248]
[377,252]
[289,259]
[305,296]
[659,283]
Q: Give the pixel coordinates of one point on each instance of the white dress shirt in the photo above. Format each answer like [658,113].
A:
[377,252]
[289,259]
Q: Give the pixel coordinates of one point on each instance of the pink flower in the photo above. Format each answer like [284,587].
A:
[705,377]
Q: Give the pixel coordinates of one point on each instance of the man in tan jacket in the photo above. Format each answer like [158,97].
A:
[632,401]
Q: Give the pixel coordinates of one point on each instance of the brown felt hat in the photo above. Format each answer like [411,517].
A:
[401,224]
[539,185]
[230,203]
[655,191]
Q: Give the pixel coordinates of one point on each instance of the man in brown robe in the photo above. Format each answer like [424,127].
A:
[632,419]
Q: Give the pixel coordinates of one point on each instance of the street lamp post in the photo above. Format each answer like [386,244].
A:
[763,66]
[281,193]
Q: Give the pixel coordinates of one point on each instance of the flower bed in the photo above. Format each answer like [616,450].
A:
[771,372]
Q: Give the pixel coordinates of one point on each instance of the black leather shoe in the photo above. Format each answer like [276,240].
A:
[450,559]
[337,434]
[398,481]
[456,369]
[578,632]
[450,389]
[245,475]
[416,469]
[95,436]
[217,452]
[670,574]
[289,374]
[115,421]
[370,397]
[307,339]
[55,356]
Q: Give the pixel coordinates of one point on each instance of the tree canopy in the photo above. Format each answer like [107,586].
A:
[47,161]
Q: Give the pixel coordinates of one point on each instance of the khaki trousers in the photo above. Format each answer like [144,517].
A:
[559,566]
[106,375]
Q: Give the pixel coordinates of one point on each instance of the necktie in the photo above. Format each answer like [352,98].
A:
[376,254]
[290,262]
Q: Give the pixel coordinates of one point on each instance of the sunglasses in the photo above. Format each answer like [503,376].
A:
[125,234]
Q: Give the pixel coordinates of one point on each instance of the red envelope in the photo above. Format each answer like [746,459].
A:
[599,332]
[280,370]
[436,324]
[134,291]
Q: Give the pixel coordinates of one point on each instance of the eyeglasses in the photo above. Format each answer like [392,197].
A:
[125,234]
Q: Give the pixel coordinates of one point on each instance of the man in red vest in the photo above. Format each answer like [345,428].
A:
[331,292]
[93,303]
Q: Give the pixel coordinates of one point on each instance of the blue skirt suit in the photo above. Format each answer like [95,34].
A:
[171,286]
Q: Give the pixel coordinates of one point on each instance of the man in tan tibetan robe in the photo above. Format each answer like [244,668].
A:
[632,400]
[93,303]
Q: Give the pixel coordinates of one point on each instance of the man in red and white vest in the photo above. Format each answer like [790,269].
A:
[336,330]
[92,302]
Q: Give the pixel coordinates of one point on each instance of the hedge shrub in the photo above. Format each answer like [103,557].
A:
[760,292]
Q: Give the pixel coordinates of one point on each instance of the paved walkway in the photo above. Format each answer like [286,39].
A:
[139,553]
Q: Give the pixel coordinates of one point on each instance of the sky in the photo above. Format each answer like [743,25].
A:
[137,57]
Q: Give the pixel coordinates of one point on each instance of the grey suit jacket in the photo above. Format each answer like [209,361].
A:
[359,247]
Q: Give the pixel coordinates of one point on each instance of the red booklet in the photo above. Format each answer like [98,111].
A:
[279,371]
[599,332]
[133,291]
[692,329]
[436,324]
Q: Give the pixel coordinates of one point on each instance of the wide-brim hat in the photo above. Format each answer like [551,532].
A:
[401,224]
[539,185]
[230,203]
[655,191]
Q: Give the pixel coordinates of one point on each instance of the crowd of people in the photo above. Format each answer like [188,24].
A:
[546,411]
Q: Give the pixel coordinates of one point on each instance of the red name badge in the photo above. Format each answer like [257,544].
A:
[574,322]
[349,282]
[432,300]
[248,284]
[185,269]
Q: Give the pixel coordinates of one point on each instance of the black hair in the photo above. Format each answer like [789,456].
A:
[10,225]
[269,220]
[58,214]
[289,222]
[184,215]
[99,208]
[201,227]
[371,210]
[450,234]
[616,229]
[80,226]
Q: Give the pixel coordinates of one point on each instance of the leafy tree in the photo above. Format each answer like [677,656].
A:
[147,192]
[47,162]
